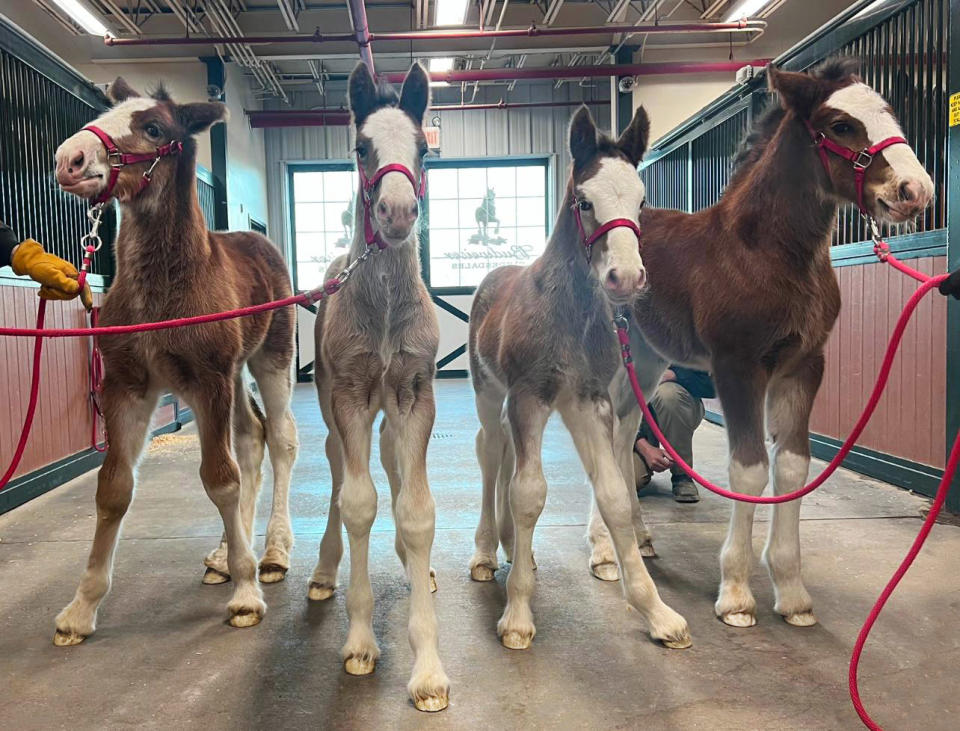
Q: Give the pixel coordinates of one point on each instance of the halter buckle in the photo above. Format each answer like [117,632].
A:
[115,159]
[862,160]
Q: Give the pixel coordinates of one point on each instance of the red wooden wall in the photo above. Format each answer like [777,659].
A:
[63,421]
[910,419]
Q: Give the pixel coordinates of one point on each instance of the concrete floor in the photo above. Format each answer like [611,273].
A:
[163,657]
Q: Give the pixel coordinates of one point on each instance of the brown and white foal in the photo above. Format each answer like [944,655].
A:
[376,349]
[745,289]
[169,265]
[541,340]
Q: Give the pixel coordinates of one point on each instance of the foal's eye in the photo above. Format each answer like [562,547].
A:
[153,131]
[841,128]
[585,205]
[362,152]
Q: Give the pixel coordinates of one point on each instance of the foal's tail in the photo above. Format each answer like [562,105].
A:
[257,412]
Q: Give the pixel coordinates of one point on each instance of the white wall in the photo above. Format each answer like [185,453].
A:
[246,162]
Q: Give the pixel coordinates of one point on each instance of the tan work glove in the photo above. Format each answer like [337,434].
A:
[57,277]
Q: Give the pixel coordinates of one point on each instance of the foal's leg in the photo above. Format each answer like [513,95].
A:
[490,448]
[248,446]
[508,461]
[324,579]
[591,424]
[741,385]
[389,459]
[127,419]
[789,401]
[358,505]
[213,403]
[275,389]
[528,492]
[410,409]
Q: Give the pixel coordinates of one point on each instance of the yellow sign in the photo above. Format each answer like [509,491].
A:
[955,109]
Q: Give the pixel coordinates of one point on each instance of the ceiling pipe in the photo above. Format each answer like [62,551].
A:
[341,117]
[364,37]
[576,72]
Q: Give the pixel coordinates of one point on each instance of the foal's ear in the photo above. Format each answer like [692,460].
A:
[362,93]
[633,141]
[799,93]
[415,93]
[583,137]
[200,116]
[120,91]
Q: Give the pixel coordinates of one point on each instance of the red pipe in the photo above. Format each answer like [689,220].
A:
[533,31]
[358,18]
[341,118]
[577,72]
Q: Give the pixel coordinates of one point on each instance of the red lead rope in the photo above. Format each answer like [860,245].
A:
[928,283]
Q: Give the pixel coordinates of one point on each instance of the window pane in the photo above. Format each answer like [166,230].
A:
[478,222]
[338,185]
[307,187]
[323,213]
[309,216]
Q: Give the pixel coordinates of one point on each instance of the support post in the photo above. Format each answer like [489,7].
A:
[216,76]
[953,249]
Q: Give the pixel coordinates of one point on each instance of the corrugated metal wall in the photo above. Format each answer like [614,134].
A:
[489,133]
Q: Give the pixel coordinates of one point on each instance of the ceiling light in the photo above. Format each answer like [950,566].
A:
[450,12]
[83,17]
[745,9]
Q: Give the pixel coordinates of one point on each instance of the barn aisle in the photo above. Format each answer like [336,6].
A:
[163,657]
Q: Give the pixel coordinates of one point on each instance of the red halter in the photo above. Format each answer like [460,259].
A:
[861,160]
[366,188]
[589,241]
[119,160]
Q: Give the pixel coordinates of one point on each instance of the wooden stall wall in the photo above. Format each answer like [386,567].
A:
[910,418]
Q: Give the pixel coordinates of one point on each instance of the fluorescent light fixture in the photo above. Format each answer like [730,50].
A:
[450,12]
[745,9]
[83,17]
[440,64]
[444,63]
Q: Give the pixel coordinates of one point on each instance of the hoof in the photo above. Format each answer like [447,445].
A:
[67,639]
[679,644]
[245,618]
[359,665]
[739,619]
[800,619]
[272,573]
[212,576]
[319,592]
[481,573]
[432,703]
[514,640]
[606,571]
[647,550]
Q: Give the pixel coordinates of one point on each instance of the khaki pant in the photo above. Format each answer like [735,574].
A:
[678,415]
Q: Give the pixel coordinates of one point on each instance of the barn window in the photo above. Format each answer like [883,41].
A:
[481,215]
[322,218]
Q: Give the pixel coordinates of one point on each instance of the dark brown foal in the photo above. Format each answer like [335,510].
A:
[745,289]
[541,340]
[169,265]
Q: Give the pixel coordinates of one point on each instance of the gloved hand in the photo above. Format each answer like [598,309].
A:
[951,285]
[57,277]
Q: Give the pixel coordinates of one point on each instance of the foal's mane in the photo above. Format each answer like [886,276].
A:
[751,149]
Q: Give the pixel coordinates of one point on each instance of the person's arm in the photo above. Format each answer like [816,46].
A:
[951,285]
[57,277]
[8,242]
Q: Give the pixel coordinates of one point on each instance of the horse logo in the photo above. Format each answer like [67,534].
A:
[486,214]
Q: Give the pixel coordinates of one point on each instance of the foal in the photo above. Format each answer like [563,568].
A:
[540,339]
[376,350]
[169,265]
[745,289]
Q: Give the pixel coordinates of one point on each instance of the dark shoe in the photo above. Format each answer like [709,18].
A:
[685,491]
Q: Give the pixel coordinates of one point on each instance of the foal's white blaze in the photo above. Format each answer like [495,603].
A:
[394,139]
[616,191]
[870,109]
[115,123]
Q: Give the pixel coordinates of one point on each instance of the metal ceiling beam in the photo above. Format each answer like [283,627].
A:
[361,32]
